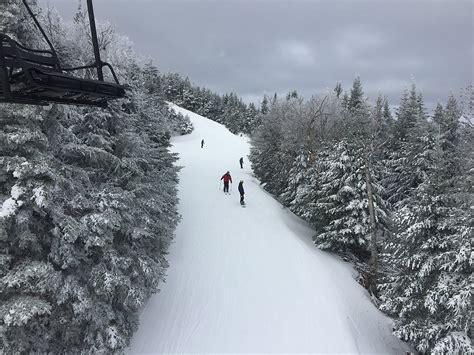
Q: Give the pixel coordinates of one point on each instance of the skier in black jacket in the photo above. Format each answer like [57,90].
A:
[242,192]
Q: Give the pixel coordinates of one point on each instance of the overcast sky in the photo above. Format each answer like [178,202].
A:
[257,47]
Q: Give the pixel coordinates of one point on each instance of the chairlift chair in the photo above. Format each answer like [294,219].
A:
[35,77]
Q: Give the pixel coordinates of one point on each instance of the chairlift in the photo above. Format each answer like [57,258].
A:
[36,77]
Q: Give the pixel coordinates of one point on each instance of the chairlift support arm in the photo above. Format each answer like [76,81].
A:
[33,16]
[95,42]
[36,77]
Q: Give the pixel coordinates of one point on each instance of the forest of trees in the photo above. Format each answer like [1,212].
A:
[391,193]
[394,194]
[227,109]
[88,200]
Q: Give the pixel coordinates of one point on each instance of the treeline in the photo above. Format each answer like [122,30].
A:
[393,195]
[88,201]
[227,109]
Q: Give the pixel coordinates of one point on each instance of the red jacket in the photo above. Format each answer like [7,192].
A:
[226,177]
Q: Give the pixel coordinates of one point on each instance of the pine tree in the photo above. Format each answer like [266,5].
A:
[430,289]
[296,182]
[292,95]
[251,118]
[411,129]
[152,79]
[16,22]
[382,127]
[449,127]
[429,286]
[410,111]
[345,101]
[338,89]
[265,154]
[88,210]
[438,116]
[421,107]
[274,99]
[264,105]
[342,202]
[356,99]
[387,114]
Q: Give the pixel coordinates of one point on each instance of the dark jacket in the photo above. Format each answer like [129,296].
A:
[241,188]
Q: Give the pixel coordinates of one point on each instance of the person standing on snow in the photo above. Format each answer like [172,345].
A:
[226,177]
[242,192]
[241,161]
[202,143]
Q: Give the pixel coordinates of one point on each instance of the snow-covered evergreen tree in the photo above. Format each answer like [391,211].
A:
[338,89]
[449,139]
[251,118]
[264,105]
[266,155]
[340,206]
[296,182]
[16,22]
[438,116]
[430,255]
[87,211]
[382,120]
[411,129]
[356,98]
[387,114]
[342,203]
[352,154]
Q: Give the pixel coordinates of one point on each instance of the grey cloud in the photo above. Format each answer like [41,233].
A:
[256,47]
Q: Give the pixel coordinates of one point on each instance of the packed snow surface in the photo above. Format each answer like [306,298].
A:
[249,279]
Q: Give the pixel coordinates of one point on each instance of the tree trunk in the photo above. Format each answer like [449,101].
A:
[372,284]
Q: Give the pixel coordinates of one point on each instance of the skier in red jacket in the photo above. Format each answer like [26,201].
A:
[226,177]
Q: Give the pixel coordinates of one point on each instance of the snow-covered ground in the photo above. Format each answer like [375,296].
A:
[250,279]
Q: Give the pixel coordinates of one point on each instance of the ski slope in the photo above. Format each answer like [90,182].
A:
[249,279]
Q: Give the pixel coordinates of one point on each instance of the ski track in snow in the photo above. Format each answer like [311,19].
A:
[249,280]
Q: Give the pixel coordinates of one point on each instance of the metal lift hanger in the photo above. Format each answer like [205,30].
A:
[35,77]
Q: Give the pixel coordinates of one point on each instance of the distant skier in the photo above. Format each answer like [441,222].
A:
[202,143]
[226,177]
[242,192]
[241,161]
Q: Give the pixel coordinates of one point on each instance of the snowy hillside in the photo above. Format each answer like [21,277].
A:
[250,279]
